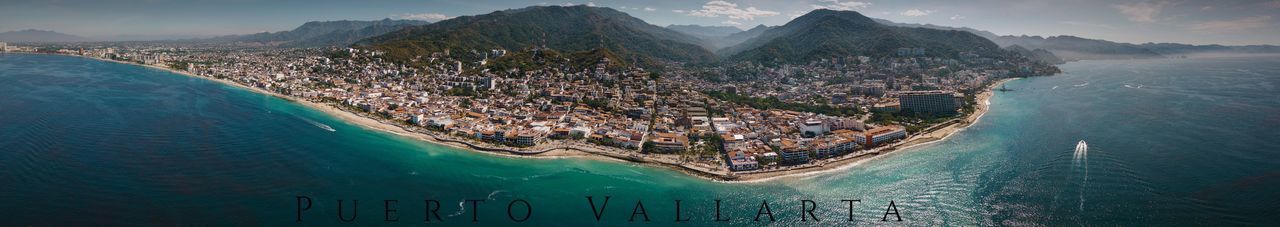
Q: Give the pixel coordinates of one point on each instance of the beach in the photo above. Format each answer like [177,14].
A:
[561,149]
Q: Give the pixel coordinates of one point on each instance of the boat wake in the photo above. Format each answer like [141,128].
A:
[1054,88]
[1082,85]
[320,125]
[1133,86]
[1081,160]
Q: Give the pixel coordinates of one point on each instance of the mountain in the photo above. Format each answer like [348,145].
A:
[1181,49]
[323,33]
[39,36]
[1071,48]
[1037,54]
[738,38]
[828,33]
[984,34]
[566,29]
[705,32]
[1068,48]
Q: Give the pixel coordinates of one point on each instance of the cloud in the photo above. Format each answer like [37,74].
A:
[423,16]
[917,12]
[730,22]
[680,11]
[649,9]
[1273,4]
[957,17]
[838,5]
[591,4]
[1241,24]
[1144,12]
[730,10]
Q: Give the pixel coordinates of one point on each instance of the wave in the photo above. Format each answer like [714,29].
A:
[461,209]
[491,194]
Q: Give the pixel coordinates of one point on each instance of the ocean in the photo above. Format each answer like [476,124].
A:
[1169,142]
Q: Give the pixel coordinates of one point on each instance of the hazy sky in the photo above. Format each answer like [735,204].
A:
[1184,21]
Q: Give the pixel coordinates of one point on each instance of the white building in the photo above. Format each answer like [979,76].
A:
[815,127]
[880,135]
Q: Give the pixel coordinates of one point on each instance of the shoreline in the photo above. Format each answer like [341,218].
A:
[559,149]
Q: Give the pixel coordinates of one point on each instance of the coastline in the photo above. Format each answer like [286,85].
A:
[559,149]
[915,140]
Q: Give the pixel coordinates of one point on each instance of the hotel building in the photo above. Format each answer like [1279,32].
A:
[878,136]
[930,102]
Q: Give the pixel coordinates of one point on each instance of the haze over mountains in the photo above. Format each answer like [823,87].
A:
[818,34]
[1072,48]
[322,33]
[705,32]
[39,36]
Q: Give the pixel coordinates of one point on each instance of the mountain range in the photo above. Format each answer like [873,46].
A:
[321,33]
[829,33]
[567,29]
[718,37]
[39,36]
[705,32]
[1072,48]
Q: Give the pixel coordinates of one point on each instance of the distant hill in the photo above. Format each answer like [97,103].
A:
[322,33]
[738,38]
[39,36]
[984,34]
[1071,48]
[705,32]
[828,33]
[1037,54]
[567,29]
[1067,48]
[1182,49]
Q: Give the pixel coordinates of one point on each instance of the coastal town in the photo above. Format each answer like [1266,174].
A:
[731,122]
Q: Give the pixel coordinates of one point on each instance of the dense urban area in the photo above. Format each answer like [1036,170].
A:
[733,118]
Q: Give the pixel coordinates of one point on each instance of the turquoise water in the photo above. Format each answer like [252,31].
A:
[1187,142]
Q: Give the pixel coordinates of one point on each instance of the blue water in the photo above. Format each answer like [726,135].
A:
[1187,142]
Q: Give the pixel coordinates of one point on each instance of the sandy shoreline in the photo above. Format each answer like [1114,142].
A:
[857,158]
[592,152]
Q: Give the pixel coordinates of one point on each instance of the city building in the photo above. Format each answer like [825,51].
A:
[814,127]
[929,102]
[669,142]
[740,161]
[878,136]
[526,139]
[887,107]
[794,152]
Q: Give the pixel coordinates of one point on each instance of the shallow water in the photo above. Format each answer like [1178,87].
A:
[1170,142]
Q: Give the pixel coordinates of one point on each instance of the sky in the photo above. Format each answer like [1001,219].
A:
[1231,22]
